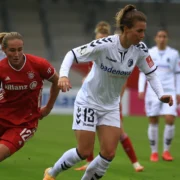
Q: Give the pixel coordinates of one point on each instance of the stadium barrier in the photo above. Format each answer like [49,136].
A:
[65,102]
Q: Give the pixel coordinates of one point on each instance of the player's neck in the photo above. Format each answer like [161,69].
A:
[161,48]
[124,43]
[18,66]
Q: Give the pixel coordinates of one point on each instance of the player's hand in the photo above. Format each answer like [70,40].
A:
[167,99]
[44,112]
[178,98]
[64,84]
[141,95]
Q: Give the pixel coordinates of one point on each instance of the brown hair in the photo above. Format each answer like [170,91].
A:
[164,30]
[103,27]
[127,16]
[5,36]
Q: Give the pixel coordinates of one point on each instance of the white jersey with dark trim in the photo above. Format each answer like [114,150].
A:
[168,63]
[112,66]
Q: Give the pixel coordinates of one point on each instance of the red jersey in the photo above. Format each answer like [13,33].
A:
[21,100]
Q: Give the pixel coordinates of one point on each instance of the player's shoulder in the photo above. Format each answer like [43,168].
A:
[36,60]
[104,42]
[153,49]
[3,62]
[172,50]
[141,47]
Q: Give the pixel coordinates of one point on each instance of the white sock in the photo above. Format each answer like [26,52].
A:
[169,131]
[66,161]
[153,137]
[96,169]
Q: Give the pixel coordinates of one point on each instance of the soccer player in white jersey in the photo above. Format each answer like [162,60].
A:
[97,102]
[168,62]
[103,29]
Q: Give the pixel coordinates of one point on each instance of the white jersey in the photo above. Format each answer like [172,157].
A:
[112,66]
[2,54]
[168,63]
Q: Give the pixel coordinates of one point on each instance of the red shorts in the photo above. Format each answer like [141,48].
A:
[15,137]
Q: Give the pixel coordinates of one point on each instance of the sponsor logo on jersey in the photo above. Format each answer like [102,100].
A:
[114,71]
[149,61]
[30,74]
[113,60]
[12,87]
[33,85]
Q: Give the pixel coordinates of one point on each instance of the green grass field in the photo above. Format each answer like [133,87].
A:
[55,136]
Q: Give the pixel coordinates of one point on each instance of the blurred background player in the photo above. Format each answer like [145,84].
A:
[103,29]
[168,62]
[2,54]
[96,106]
[22,77]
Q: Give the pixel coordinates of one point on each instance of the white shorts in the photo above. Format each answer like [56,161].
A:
[88,119]
[154,107]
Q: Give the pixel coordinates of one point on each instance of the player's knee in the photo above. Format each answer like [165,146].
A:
[123,136]
[85,153]
[4,155]
[109,154]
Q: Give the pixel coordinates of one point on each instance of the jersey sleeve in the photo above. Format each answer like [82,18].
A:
[177,63]
[90,51]
[46,70]
[145,62]
[177,73]
[141,82]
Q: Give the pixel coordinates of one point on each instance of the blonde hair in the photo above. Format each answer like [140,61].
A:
[103,27]
[6,36]
[127,16]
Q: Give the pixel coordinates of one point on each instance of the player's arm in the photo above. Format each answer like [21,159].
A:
[141,85]
[48,72]
[177,78]
[85,53]
[148,67]
[54,91]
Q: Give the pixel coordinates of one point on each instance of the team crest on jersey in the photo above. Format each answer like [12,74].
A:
[130,62]
[33,85]
[30,74]
[82,50]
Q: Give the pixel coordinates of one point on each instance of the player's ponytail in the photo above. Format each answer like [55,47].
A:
[9,36]
[127,16]
[2,34]
[103,27]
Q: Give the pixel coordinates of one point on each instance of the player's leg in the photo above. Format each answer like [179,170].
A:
[128,148]
[153,137]
[108,134]
[85,134]
[88,160]
[4,152]
[4,149]
[13,139]
[153,107]
[169,130]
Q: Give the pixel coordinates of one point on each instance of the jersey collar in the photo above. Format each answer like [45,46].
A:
[22,65]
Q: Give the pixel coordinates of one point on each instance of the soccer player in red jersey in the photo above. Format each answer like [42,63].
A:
[22,77]
[103,30]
